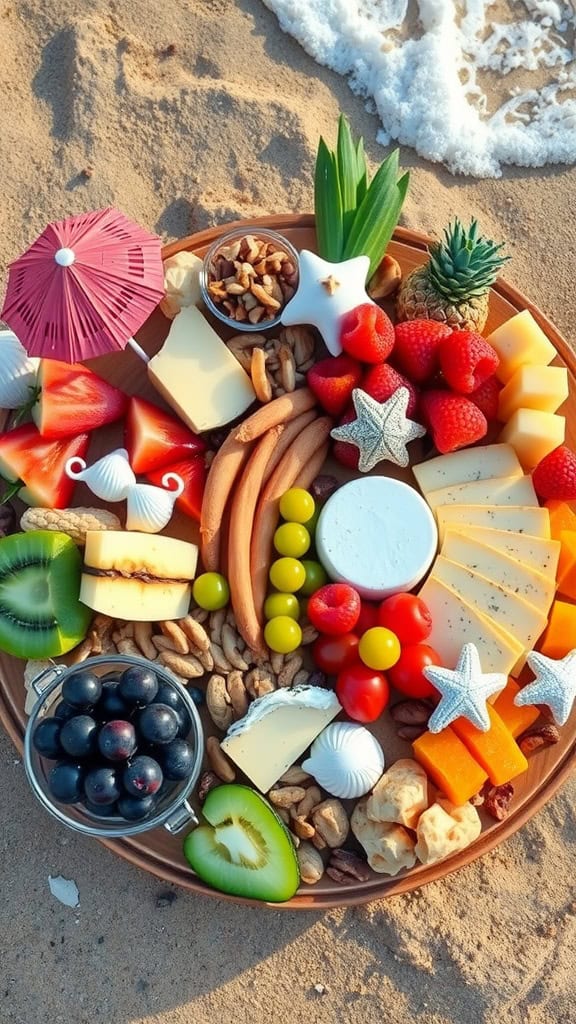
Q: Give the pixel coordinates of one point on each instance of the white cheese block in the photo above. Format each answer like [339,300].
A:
[455,623]
[277,729]
[541,555]
[198,376]
[467,465]
[505,608]
[511,518]
[504,490]
[378,535]
[535,588]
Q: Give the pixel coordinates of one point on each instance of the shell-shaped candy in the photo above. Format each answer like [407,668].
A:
[346,760]
[109,479]
[17,372]
[149,508]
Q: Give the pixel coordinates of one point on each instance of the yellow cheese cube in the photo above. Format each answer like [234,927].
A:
[518,342]
[534,387]
[533,434]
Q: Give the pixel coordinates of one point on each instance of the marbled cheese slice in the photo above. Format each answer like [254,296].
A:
[535,588]
[468,465]
[511,518]
[541,555]
[504,490]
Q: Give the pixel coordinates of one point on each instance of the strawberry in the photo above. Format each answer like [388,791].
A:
[39,464]
[73,399]
[467,360]
[154,438]
[453,420]
[345,453]
[367,333]
[332,380]
[193,473]
[555,475]
[486,397]
[380,382]
[416,344]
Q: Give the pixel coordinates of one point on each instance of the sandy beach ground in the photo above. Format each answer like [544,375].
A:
[185,114]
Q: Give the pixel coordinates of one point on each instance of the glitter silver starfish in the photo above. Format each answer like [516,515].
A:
[381,430]
[554,685]
[464,691]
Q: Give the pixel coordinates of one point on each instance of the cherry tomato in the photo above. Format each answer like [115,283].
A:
[379,648]
[362,692]
[287,574]
[282,634]
[292,539]
[297,505]
[368,617]
[333,653]
[407,674]
[282,604]
[211,591]
[334,609]
[407,616]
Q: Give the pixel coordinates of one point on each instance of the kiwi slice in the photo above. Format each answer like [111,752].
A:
[40,614]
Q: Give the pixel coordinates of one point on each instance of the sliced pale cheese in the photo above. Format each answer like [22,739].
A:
[149,554]
[467,465]
[503,490]
[196,373]
[455,623]
[541,555]
[535,588]
[506,609]
[135,601]
[511,518]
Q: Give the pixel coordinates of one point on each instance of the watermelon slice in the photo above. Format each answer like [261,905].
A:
[39,464]
[154,438]
[193,473]
[73,398]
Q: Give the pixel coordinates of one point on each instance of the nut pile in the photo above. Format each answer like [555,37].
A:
[252,279]
[276,365]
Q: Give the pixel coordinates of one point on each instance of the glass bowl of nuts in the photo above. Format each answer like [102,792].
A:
[249,277]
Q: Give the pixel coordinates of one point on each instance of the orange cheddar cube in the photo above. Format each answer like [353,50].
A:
[566,574]
[516,719]
[450,765]
[560,637]
[496,750]
[561,518]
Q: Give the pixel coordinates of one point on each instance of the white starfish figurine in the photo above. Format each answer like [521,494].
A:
[381,430]
[326,291]
[554,685]
[464,691]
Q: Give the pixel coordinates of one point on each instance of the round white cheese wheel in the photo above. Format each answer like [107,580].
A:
[378,535]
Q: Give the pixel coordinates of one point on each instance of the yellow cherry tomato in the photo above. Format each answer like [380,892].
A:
[287,574]
[282,604]
[379,648]
[297,505]
[292,539]
[282,634]
[211,591]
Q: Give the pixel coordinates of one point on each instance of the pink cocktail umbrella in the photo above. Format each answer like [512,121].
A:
[84,287]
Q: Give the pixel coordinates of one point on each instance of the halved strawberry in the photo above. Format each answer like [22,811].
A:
[333,380]
[153,438]
[27,456]
[193,472]
[73,399]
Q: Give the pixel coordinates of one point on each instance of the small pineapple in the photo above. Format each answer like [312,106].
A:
[453,286]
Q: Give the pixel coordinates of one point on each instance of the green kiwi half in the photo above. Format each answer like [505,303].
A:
[40,614]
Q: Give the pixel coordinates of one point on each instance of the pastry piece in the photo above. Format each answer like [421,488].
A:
[388,847]
[400,795]
[444,829]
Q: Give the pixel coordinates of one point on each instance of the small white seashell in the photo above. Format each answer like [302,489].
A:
[17,372]
[148,508]
[109,479]
[346,760]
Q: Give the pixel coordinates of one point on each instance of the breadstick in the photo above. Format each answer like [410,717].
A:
[281,410]
[225,467]
[312,467]
[303,452]
[289,434]
[239,535]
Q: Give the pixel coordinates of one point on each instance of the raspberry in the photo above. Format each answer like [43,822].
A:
[367,333]
[380,382]
[467,360]
[345,453]
[416,347]
[486,397]
[334,608]
[555,475]
[332,380]
[453,420]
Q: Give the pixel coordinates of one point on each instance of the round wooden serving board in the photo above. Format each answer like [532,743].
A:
[160,853]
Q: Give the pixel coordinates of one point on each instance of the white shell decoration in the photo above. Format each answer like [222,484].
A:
[17,372]
[346,760]
[149,508]
[109,479]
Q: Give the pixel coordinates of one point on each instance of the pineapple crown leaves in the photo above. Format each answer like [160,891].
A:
[464,264]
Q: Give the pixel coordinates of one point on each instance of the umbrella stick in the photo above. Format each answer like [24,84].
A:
[138,350]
